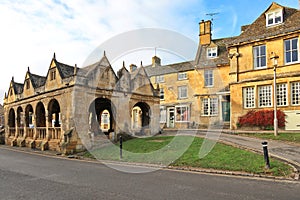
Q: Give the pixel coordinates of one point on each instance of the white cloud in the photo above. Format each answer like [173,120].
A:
[32,30]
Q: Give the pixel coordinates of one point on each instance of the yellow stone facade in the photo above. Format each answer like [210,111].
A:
[244,73]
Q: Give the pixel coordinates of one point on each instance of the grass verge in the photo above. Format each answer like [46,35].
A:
[169,150]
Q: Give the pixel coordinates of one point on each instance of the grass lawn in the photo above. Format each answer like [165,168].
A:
[184,151]
[290,137]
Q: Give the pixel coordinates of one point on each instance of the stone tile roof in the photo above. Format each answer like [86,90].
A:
[37,81]
[168,69]
[1,110]
[259,31]
[222,58]
[18,87]
[65,70]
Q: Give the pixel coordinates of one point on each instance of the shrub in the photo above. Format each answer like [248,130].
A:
[262,118]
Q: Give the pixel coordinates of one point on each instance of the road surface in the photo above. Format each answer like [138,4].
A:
[33,176]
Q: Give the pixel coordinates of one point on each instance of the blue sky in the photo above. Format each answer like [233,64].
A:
[32,30]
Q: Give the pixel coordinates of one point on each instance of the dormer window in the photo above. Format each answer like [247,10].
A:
[212,52]
[274,18]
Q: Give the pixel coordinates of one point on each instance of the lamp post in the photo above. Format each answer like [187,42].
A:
[274,57]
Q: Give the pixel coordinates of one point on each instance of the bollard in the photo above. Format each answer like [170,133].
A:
[266,154]
[121,147]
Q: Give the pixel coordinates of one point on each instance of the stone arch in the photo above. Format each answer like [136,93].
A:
[96,109]
[140,116]
[54,113]
[20,120]
[40,115]
[11,118]
[29,116]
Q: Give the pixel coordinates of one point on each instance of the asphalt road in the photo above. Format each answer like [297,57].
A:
[31,176]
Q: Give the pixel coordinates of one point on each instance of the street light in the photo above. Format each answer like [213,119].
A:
[275,57]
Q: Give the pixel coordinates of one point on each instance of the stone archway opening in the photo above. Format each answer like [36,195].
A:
[101,116]
[20,120]
[11,118]
[40,115]
[29,116]
[54,117]
[140,117]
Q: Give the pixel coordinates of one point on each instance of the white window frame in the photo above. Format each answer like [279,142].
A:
[295,93]
[180,92]
[210,106]
[265,96]
[179,117]
[160,79]
[249,97]
[208,78]
[163,114]
[281,93]
[182,76]
[212,52]
[291,50]
[161,94]
[274,16]
[258,59]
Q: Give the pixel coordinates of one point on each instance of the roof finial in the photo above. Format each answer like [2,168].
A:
[123,63]
[75,69]
[104,53]
[28,70]
[141,63]
[13,78]
[54,57]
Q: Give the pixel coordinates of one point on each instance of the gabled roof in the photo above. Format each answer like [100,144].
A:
[122,71]
[36,80]
[18,87]
[65,70]
[259,31]
[102,64]
[201,59]
[169,69]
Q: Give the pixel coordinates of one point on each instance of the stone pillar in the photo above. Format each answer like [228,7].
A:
[220,108]
[47,125]
[16,127]
[34,126]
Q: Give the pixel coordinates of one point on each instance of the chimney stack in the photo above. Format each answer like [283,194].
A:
[205,32]
[156,61]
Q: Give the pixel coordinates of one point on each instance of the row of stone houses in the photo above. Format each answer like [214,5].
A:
[232,76]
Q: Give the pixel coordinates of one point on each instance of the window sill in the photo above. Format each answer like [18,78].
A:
[292,63]
[260,68]
[182,79]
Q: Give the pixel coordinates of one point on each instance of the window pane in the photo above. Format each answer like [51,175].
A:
[277,20]
[263,50]
[294,56]
[294,43]
[287,57]
[287,45]
[263,61]
[182,113]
